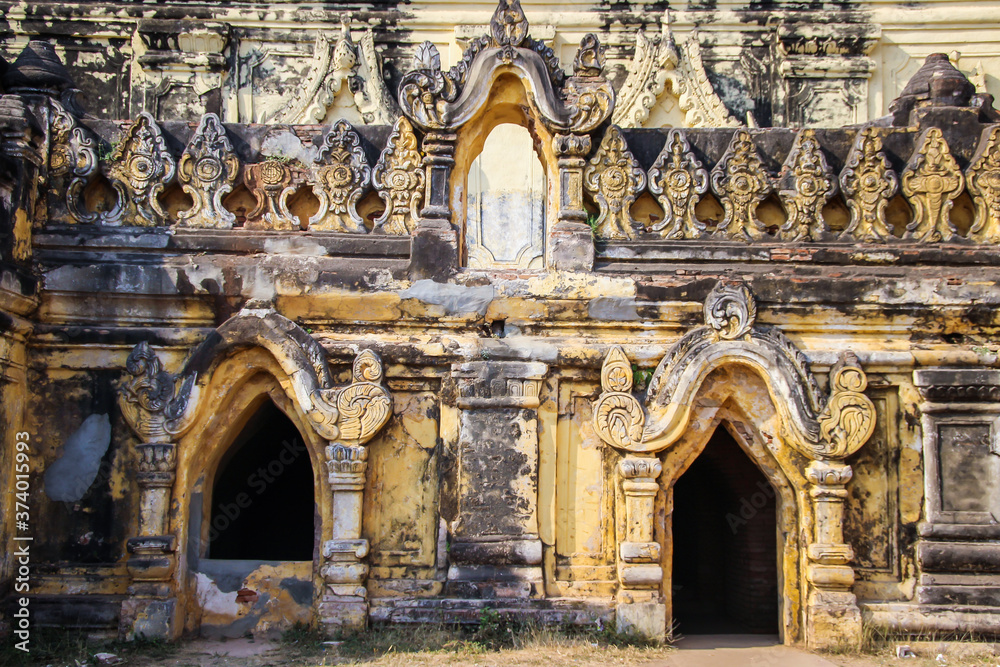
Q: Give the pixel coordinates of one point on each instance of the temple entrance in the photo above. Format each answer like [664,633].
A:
[725,544]
[262,500]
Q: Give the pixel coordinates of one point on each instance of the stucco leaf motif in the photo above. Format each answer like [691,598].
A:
[848,419]
[868,183]
[730,310]
[619,418]
[678,181]
[141,167]
[150,400]
[364,405]
[340,178]
[207,170]
[983,179]
[73,162]
[509,26]
[805,186]
[614,178]
[741,184]
[931,182]
[399,180]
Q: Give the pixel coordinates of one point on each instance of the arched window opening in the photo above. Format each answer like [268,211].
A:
[725,544]
[262,500]
[505,221]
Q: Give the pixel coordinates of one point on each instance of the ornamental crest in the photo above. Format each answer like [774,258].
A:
[341,177]
[678,181]
[207,171]
[614,178]
[868,183]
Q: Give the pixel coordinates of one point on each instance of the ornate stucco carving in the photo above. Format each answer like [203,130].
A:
[822,428]
[271,183]
[156,404]
[868,183]
[931,181]
[364,405]
[141,167]
[207,170]
[439,100]
[678,181]
[614,178]
[72,162]
[333,65]
[340,177]
[805,185]
[398,178]
[658,62]
[983,179]
[741,184]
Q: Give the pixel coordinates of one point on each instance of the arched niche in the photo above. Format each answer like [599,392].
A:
[505,214]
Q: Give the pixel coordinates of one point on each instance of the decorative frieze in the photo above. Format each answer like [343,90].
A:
[868,183]
[805,185]
[741,183]
[931,182]
[207,170]
[340,178]
[615,179]
[398,178]
[678,181]
[983,181]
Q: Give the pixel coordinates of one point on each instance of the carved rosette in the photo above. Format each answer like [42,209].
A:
[741,184]
[730,310]
[983,179]
[678,181]
[848,419]
[618,416]
[271,183]
[340,179]
[399,180]
[805,185]
[931,181]
[207,171]
[614,178]
[868,183]
[141,167]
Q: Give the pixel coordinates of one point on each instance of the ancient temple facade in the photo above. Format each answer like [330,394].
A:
[672,317]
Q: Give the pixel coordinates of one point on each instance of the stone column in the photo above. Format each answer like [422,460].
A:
[833,618]
[571,242]
[151,610]
[434,250]
[495,547]
[640,608]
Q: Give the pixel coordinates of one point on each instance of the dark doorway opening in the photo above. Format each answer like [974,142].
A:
[725,567]
[262,500]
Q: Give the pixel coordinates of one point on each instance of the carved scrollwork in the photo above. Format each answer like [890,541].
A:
[614,178]
[151,401]
[741,184]
[931,181]
[399,180]
[868,183]
[983,179]
[618,416]
[141,166]
[271,183]
[848,419]
[587,96]
[365,405]
[207,170]
[72,163]
[340,180]
[678,181]
[805,185]
[730,309]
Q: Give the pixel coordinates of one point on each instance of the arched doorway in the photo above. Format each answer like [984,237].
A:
[262,505]
[725,544]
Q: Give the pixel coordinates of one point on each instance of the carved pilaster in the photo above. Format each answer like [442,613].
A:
[571,242]
[640,607]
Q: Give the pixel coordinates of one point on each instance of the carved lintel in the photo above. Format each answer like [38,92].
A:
[141,167]
[398,178]
[271,183]
[340,178]
[868,183]
[615,179]
[983,179]
[931,182]
[207,171]
[805,185]
[678,181]
[741,183]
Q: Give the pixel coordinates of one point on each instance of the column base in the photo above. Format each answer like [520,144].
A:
[339,613]
[647,620]
[149,618]
[571,247]
[833,622]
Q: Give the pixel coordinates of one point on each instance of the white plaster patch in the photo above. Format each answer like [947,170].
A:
[455,299]
[215,601]
[69,477]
